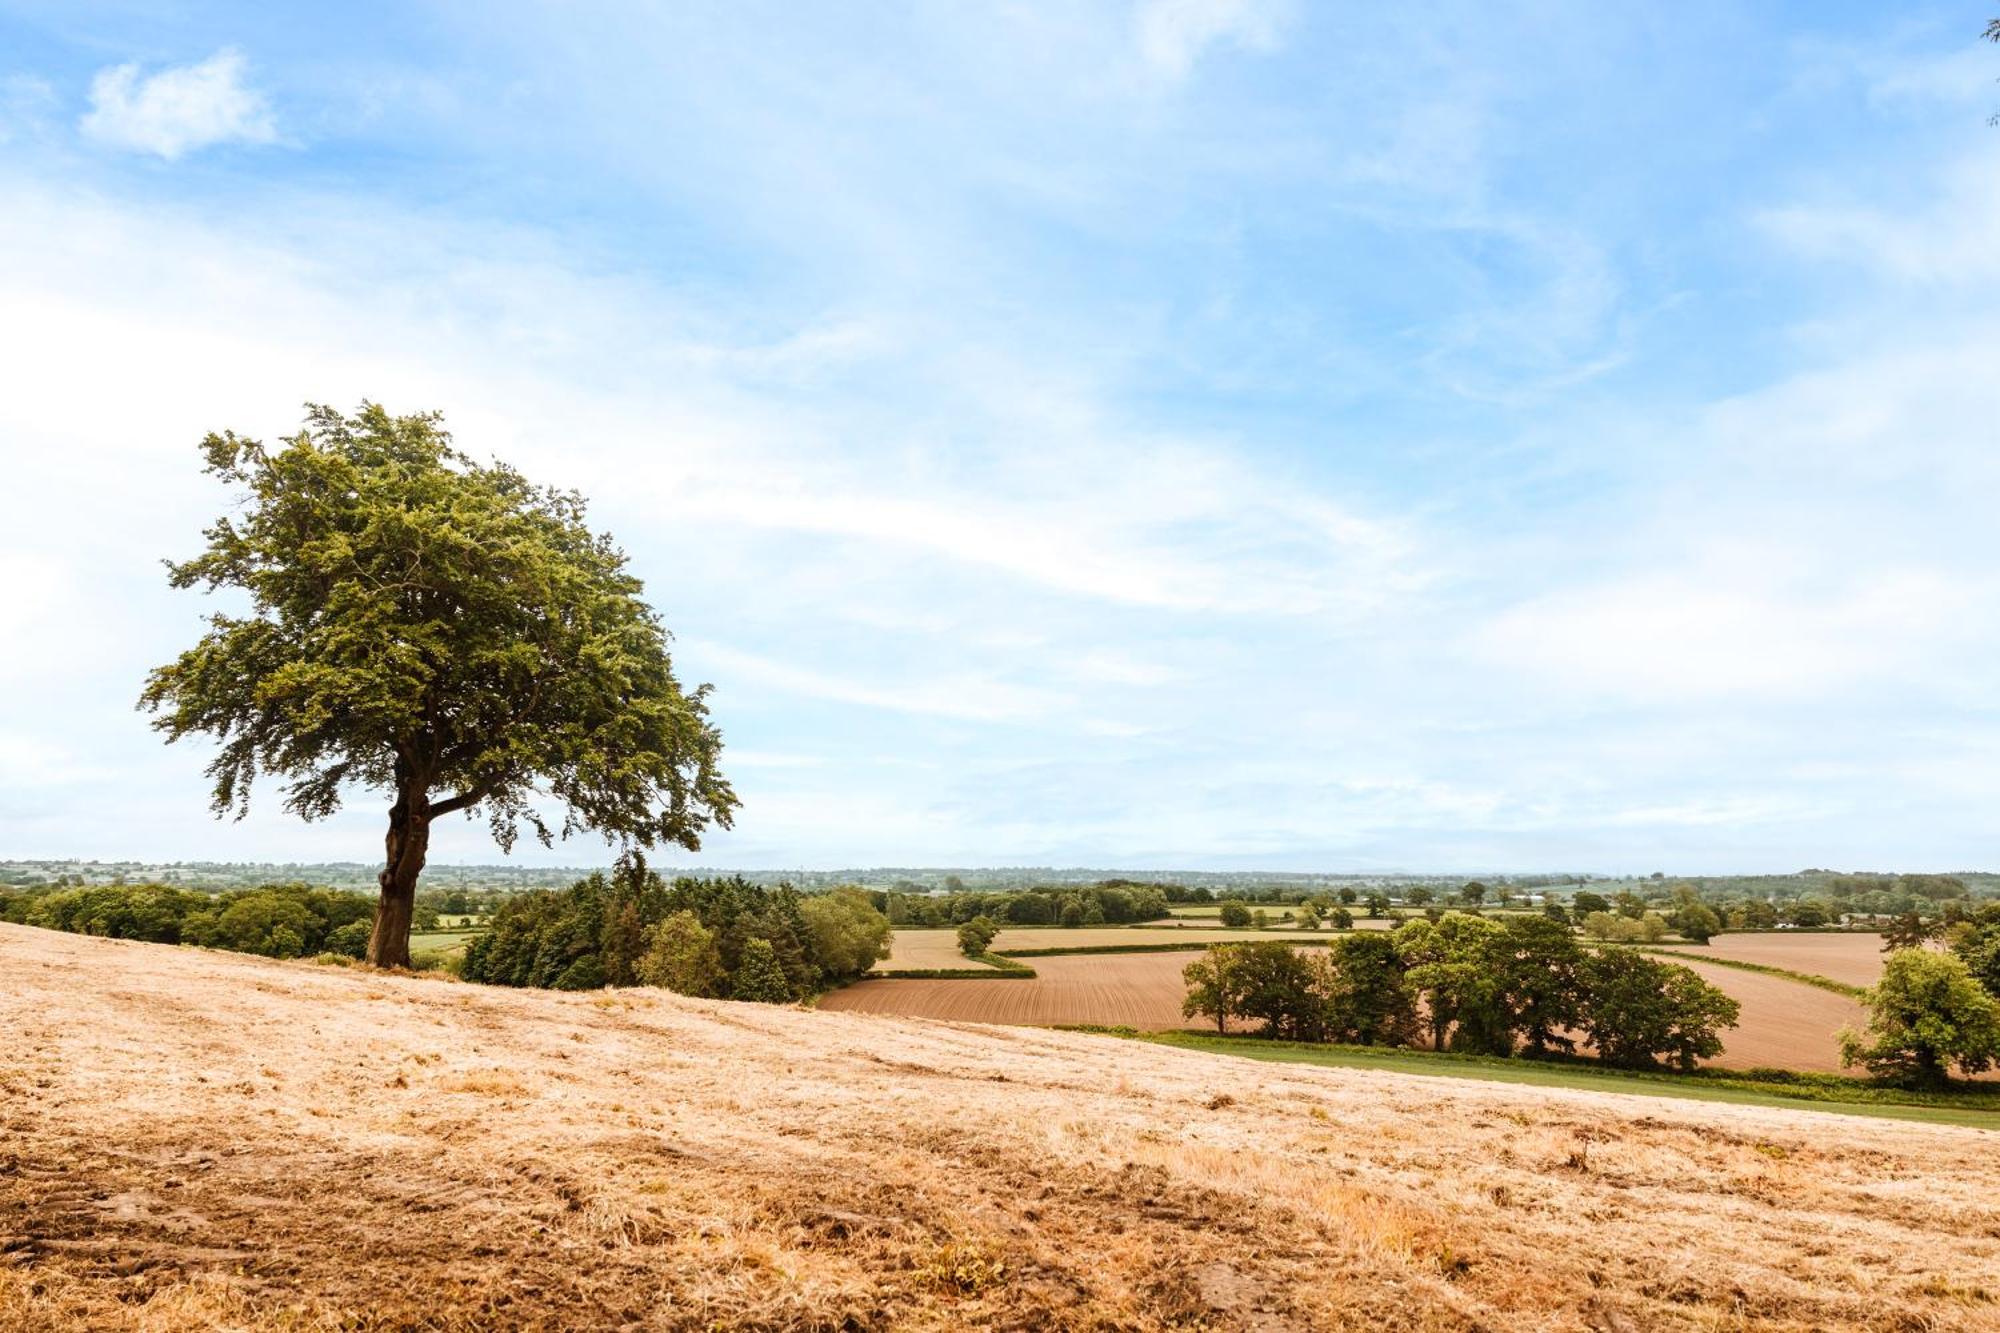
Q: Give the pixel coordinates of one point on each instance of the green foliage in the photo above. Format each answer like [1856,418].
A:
[759,975]
[849,935]
[1234,914]
[1450,966]
[1927,1014]
[1118,902]
[1273,983]
[1211,986]
[1976,940]
[975,937]
[438,628]
[275,920]
[1368,999]
[601,929]
[681,956]
[1637,1010]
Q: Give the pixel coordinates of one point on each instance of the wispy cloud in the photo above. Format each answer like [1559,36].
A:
[1174,34]
[178,110]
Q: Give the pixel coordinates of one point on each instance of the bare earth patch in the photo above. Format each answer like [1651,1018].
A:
[197,1140]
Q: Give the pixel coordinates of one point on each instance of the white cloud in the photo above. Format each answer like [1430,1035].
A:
[177,110]
[1173,35]
[966,696]
[1951,238]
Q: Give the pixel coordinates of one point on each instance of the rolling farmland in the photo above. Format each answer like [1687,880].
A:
[1854,958]
[939,948]
[1785,1024]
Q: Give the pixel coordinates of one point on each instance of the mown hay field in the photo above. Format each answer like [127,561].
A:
[1784,1024]
[193,1140]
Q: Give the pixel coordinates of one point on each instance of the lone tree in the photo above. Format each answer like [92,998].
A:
[439,629]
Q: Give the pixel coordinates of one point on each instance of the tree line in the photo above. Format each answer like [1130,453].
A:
[1113,902]
[1522,986]
[275,920]
[720,938]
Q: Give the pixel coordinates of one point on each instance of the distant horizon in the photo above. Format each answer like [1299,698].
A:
[1107,871]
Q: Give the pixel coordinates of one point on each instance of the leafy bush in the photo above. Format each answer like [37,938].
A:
[1235,914]
[976,936]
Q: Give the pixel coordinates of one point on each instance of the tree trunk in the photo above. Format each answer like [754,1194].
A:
[408,841]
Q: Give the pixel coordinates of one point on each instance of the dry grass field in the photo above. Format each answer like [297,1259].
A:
[1785,1025]
[194,1140]
[1854,958]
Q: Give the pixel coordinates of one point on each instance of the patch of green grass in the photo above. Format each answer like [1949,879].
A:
[450,941]
[1974,1105]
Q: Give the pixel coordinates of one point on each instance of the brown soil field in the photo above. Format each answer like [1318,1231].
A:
[197,1140]
[1784,1025]
[939,948]
[1854,958]
[1137,990]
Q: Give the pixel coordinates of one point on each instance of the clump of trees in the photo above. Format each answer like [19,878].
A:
[976,936]
[1927,1015]
[722,938]
[1520,986]
[1645,929]
[275,920]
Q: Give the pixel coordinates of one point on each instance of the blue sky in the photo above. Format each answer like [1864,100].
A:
[1222,433]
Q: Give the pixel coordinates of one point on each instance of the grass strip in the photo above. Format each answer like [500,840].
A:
[1973,1105]
[1803,978]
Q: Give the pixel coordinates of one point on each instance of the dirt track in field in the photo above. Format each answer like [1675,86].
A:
[194,1140]
[1784,1024]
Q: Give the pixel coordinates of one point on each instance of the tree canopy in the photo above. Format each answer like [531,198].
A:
[440,629]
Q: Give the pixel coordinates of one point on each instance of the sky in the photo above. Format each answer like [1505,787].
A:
[1234,434]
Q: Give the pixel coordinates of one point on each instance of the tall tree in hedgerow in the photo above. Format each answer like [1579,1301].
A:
[440,630]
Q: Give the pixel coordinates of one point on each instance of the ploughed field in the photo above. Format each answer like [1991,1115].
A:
[194,1140]
[1852,957]
[1784,1024]
[926,948]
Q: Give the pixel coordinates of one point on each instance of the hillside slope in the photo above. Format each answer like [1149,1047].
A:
[192,1139]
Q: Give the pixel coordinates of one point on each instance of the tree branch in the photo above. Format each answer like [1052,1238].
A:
[452,804]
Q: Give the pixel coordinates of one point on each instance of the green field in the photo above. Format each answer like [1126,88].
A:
[1979,1108]
[449,941]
